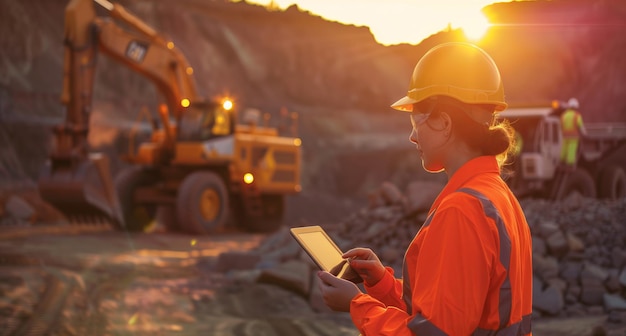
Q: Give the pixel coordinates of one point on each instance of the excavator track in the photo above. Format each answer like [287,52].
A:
[48,310]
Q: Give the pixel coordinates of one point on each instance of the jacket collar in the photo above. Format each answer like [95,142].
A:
[472,168]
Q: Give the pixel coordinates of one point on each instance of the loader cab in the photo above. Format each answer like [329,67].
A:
[206,120]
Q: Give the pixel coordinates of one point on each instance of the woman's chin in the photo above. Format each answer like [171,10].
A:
[431,168]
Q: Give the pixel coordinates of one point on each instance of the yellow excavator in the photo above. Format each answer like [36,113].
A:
[200,168]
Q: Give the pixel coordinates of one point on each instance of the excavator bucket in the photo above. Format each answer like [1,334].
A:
[83,191]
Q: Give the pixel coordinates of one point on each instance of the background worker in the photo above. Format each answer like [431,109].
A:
[469,268]
[572,128]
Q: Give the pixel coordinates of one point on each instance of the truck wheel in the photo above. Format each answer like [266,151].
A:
[202,203]
[578,181]
[612,182]
[138,217]
[271,218]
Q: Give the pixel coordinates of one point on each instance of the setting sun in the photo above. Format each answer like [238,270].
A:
[474,26]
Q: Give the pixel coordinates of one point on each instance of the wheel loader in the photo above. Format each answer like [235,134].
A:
[200,169]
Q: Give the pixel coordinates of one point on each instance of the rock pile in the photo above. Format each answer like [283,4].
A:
[579,260]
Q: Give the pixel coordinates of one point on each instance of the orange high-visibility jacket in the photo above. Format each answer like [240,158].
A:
[468,271]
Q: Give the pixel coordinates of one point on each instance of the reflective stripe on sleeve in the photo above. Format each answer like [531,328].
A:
[423,327]
[520,328]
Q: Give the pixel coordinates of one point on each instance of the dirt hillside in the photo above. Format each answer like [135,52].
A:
[336,76]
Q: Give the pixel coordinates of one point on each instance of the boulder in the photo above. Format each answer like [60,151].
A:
[420,195]
[236,261]
[570,271]
[315,297]
[614,302]
[592,271]
[592,292]
[622,278]
[293,275]
[547,228]
[574,243]
[391,194]
[557,243]
[612,283]
[545,267]
[617,316]
[618,257]
[549,301]
[539,246]
[19,209]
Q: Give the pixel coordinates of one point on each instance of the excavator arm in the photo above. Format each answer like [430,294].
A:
[140,48]
[75,180]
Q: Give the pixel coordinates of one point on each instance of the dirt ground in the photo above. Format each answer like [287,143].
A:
[112,283]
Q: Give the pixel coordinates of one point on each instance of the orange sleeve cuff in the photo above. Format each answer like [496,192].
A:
[359,306]
[384,286]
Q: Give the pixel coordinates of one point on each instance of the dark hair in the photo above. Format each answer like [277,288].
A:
[494,137]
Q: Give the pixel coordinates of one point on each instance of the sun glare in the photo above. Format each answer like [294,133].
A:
[474,26]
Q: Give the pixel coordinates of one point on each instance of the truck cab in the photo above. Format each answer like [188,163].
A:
[537,169]
[540,147]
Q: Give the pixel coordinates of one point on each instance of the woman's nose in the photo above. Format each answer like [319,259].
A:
[413,136]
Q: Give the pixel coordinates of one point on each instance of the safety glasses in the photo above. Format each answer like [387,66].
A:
[419,118]
[422,111]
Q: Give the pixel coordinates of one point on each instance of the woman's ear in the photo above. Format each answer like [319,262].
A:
[446,123]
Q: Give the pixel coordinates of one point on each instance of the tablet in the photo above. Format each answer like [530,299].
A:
[324,252]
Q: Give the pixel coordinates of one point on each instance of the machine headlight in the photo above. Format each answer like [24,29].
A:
[248,178]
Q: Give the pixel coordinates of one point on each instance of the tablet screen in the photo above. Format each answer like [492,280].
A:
[325,252]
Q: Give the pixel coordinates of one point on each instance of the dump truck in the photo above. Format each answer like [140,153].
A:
[538,171]
[199,167]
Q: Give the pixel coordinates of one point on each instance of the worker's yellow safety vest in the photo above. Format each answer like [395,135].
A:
[571,121]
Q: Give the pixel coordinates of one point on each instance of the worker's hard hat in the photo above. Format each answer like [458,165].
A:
[459,70]
[572,103]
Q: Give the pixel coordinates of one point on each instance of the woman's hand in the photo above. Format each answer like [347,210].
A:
[365,262]
[337,292]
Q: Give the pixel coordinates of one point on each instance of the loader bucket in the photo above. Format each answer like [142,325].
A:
[83,191]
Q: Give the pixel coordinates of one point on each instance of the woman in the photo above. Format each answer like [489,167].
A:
[468,271]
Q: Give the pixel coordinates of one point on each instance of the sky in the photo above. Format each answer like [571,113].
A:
[399,21]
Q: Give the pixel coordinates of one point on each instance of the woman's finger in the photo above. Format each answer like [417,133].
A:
[359,252]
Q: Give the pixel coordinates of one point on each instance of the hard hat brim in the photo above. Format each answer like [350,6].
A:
[404,104]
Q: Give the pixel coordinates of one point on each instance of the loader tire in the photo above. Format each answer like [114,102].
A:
[612,183]
[138,217]
[578,181]
[271,218]
[202,203]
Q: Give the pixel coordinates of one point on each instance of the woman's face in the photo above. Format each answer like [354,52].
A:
[428,135]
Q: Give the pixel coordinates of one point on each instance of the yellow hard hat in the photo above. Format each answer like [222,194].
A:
[459,70]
